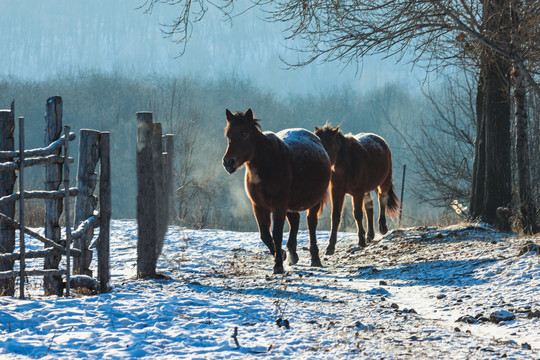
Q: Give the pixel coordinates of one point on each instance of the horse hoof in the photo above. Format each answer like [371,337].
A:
[370,236]
[278,269]
[316,263]
[330,251]
[293,258]
[383,229]
[362,243]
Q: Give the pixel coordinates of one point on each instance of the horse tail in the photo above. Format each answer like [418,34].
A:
[323,203]
[394,204]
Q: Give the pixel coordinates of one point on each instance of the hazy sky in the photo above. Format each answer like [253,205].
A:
[40,39]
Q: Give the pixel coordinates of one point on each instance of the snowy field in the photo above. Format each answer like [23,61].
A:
[454,293]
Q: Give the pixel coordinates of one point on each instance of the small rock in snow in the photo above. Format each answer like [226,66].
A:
[501,315]
[441,296]
[467,319]
[526,346]
[534,314]
[379,291]
[394,306]
[283,322]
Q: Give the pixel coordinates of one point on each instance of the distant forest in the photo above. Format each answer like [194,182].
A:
[195,111]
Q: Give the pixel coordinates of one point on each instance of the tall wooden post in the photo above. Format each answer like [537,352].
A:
[53,207]
[104,210]
[168,139]
[146,199]
[7,183]
[86,201]
[402,191]
[66,207]
[22,250]
[157,160]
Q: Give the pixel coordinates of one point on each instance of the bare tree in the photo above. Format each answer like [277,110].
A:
[195,184]
[467,33]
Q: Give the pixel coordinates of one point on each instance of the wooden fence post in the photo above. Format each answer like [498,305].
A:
[157,160]
[7,183]
[86,201]
[169,177]
[402,190]
[104,210]
[22,250]
[53,176]
[146,199]
[66,207]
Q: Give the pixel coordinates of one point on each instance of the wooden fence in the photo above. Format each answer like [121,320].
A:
[155,191]
[94,147]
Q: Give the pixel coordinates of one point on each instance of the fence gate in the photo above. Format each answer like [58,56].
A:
[55,157]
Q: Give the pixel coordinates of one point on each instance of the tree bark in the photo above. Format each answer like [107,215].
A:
[526,203]
[498,175]
[479,165]
[498,189]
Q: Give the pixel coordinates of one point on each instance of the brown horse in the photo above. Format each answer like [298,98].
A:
[286,173]
[360,163]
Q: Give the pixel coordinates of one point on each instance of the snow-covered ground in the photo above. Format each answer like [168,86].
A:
[399,298]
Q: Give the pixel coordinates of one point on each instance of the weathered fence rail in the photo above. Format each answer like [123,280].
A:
[57,172]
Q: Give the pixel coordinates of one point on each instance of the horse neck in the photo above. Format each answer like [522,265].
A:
[342,156]
[265,151]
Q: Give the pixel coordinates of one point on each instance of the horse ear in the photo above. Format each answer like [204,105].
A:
[336,130]
[229,115]
[317,128]
[249,114]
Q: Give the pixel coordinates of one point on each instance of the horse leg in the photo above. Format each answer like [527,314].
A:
[294,221]
[312,221]
[383,200]
[368,207]
[263,222]
[277,234]
[358,213]
[337,195]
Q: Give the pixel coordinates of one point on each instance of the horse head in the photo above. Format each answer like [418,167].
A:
[240,131]
[330,138]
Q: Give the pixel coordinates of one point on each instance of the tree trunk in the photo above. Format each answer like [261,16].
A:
[7,182]
[479,166]
[498,182]
[526,203]
[498,175]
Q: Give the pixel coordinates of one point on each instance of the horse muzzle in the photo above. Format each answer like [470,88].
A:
[230,165]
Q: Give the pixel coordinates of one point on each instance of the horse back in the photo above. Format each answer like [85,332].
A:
[370,160]
[310,166]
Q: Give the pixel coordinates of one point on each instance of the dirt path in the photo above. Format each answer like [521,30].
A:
[400,297]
